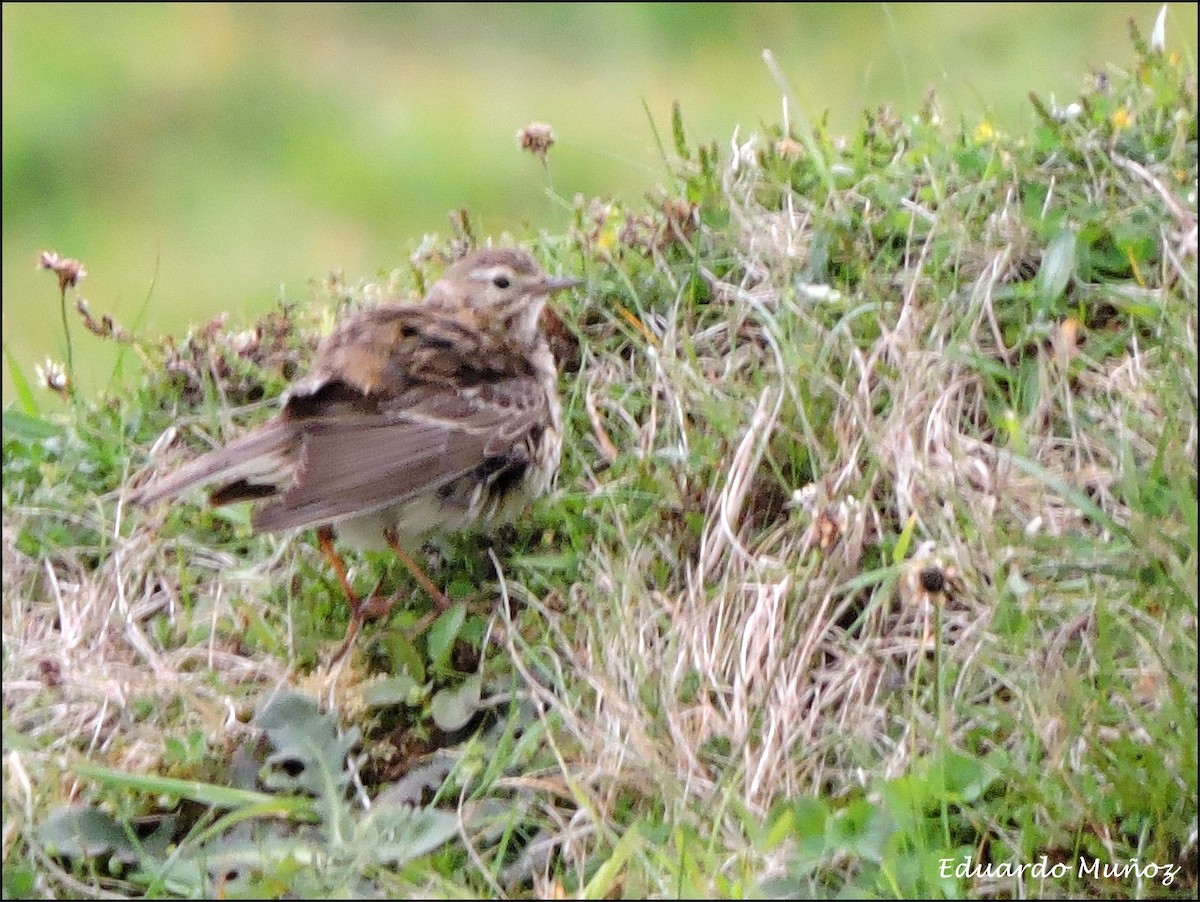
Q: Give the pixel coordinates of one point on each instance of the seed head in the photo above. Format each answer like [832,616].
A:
[537,138]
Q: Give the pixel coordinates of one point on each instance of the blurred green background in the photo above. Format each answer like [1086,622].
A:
[207,158]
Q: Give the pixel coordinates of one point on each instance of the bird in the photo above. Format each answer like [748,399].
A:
[416,419]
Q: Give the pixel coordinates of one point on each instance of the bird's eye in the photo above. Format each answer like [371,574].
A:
[501,281]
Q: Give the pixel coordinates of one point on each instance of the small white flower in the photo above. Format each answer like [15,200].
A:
[805,498]
[52,375]
[1068,113]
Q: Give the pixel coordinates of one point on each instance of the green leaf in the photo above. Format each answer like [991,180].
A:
[20,386]
[403,654]
[861,829]
[29,427]
[400,833]
[206,793]
[308,752]
[18,882]
[961,778]
[900,554]
[1058,265]
[443,633]
[452,709]
[810,816]
[395,690]
[85,833]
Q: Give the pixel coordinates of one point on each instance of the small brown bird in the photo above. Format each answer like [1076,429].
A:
[417,418]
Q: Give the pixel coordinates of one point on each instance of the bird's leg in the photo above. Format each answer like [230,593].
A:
[440,601]
[357,614]
[360,610]
[373,606]
[325,543]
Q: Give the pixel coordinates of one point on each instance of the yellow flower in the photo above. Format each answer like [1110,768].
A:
[1122,119]
[984,132]
[607,239]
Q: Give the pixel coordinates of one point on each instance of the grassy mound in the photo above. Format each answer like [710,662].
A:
[871,567]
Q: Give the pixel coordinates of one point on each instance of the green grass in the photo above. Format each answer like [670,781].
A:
[871,569]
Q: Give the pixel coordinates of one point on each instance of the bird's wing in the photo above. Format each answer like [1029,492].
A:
[402,399]
[353,463]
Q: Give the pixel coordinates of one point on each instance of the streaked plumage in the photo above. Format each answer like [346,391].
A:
[416,418]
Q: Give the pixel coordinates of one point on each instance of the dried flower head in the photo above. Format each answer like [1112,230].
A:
[789,149]
[682,216]
[69,271]
[930,577]
[105,327]
[537,138]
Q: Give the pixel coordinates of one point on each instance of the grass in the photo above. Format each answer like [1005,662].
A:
[871,569]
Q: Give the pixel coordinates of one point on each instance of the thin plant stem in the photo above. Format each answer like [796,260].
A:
[62,305]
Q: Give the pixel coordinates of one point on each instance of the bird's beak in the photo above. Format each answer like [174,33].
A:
[550,286]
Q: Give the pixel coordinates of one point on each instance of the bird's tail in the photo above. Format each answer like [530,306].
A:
[255,466]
